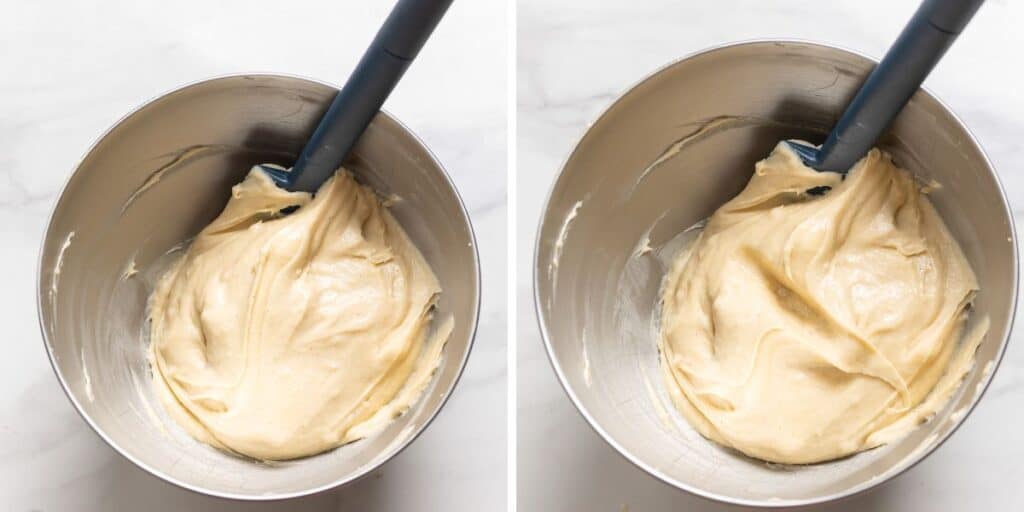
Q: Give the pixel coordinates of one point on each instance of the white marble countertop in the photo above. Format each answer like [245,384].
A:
[576,56]
[68,70]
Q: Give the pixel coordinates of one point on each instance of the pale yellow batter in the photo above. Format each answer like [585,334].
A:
[278,337]
[803,328]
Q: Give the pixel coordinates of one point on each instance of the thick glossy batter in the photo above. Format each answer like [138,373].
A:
[278,337]
[802,328]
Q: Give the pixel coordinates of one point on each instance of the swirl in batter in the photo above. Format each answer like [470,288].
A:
[801,328]
[278,337]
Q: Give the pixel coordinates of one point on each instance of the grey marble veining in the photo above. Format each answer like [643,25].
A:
[576,56]
[68,70]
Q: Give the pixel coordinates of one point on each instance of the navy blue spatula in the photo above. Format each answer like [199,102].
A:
[396,45]
[924,40]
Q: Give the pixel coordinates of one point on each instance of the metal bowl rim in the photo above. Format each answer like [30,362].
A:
[363,471]
[542,319]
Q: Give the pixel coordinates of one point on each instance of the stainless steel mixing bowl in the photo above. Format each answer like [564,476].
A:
[153,181]
[668,153]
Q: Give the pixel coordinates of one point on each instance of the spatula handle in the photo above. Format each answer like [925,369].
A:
[924,40]
[397,43]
